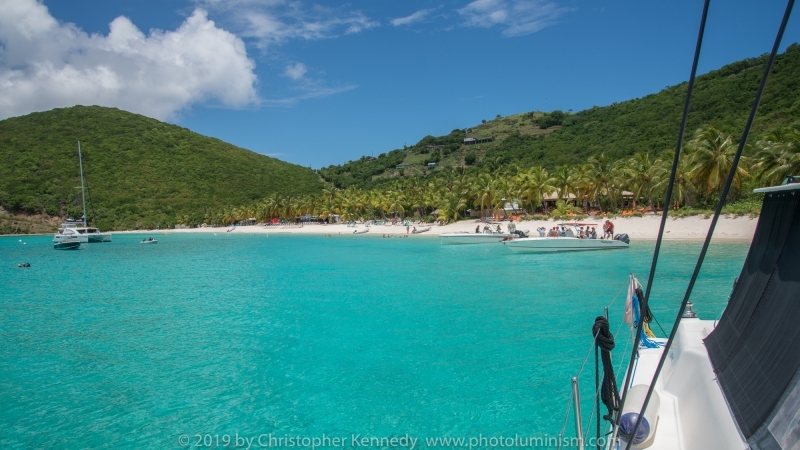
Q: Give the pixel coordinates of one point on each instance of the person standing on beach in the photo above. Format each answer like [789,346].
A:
[408,227]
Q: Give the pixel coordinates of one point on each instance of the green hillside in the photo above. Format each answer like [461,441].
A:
[722,98]
[142,173]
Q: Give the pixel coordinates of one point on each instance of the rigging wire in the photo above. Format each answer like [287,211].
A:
[720,204]
[585,359]
[667,199]
[89,191]
[566,416]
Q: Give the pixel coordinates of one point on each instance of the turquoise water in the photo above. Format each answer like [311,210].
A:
[131,346]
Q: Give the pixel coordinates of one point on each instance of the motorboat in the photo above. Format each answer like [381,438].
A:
[68,243]
[570,237]
[488,235]
[149,241]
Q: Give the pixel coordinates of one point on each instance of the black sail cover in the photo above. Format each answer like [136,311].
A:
[755,348]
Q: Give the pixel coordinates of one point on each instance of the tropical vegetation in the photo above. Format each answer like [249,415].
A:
[142,173]
[635,185]
[722,99]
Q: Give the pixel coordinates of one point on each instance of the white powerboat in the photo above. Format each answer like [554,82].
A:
[149,241]
[486,237]
[569,238]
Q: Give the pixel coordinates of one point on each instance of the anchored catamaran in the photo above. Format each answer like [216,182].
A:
[70,231]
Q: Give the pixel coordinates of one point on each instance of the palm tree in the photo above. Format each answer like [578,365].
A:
[603,177]
[564,181]
[536,182]
[327,208]
[711,160]
[483,188]
[228,216]
[644,174]
[395,203]
[449,206]
[682,188]
[778,156]
[503,193]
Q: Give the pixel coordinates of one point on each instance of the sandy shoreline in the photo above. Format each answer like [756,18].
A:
[643,228]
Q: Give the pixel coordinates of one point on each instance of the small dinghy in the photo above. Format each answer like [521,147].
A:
[149,241]
[421,230]
[366,230]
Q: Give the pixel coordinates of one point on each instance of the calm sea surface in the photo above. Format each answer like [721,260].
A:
[147,346]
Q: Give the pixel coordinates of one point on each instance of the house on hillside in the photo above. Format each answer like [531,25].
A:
[401,166]
[472,140]
[431,165]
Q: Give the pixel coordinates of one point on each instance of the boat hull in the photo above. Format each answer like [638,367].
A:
[99,237]
[81,238]
[562,244]
[472,238]
[67,245]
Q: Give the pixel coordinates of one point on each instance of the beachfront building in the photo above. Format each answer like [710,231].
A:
[551,199]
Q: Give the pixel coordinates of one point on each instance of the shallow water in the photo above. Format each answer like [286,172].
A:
[133,346]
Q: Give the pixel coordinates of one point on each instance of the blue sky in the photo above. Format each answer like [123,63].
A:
[318,83]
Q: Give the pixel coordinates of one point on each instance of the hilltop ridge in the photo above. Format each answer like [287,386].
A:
[722,98]
[141,172]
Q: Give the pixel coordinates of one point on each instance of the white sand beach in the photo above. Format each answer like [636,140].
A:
[689,228]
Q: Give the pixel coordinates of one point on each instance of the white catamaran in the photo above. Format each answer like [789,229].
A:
[726,384]
[70,231]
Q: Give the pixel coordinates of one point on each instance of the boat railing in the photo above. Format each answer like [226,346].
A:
[574,402]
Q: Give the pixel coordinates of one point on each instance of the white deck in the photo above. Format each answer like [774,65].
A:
[693,414]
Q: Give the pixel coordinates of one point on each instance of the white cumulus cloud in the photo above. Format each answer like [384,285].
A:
[516,17]
[46,64]
[413,18]
[295,71]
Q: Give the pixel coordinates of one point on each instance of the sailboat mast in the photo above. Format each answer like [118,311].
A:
[83,193]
